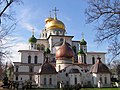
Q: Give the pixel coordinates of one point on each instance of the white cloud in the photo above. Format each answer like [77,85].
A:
[16,48]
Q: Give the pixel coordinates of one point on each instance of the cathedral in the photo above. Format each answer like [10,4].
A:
[55,60]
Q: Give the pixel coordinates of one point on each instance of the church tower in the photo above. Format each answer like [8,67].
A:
[32,42]
[83,44]
[82,52]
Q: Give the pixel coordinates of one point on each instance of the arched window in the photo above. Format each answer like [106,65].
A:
[46,35]
[75,80]
[44,81]
[50,81]
[16,68]
[36,58]
[16,77]
[42,47]
[105,80]
[29,59]
[101,79]
[93,60]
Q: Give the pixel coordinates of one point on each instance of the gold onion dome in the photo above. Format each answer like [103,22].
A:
[54,23]
[48,19]
[64,52]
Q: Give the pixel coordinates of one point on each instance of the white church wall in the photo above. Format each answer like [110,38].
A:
[24,56]
[23,77]
[43,42]
[48,76]
[106,83]
[77,46]
[36,69]
[23,68]
[72,78]
[96,55]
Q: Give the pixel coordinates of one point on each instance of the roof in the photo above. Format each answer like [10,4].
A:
[48,68]
[99,67]
[29,51]
[96,52]
[74,71]
[60,43]
[59,36]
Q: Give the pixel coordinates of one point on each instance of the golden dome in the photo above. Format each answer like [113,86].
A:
[54,23]
[48,19]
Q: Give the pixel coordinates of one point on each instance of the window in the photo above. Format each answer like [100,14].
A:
[59,67]
[29,59]
[44,81]
[75,80]
[30,77]
[101,79]
[85,59]
[16,77]
[31,69]
[93,60]
[105,80]
[16,68]
[46,35]
[50,81]
[35,59]
[42,47]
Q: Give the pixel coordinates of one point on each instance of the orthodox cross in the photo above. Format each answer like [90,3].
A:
[55,14]
[32,31]
[50,13]
[82,35]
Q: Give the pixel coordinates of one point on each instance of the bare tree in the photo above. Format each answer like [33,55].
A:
[7,25]
[107,14]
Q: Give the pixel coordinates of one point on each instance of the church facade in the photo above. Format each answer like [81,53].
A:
[55,60]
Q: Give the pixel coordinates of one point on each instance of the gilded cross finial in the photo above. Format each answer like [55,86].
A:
[32,31]
[55,14]
[82,35]
[50,13]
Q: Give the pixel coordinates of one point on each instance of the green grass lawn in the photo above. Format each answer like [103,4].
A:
[100,89]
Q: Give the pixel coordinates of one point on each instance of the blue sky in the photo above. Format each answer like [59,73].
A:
[32,13]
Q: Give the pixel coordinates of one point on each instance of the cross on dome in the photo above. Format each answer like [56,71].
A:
[55,14]
[32,31]
[82,35]
[50,13]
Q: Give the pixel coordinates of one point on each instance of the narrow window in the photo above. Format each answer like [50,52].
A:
[50,81]
[16,68]
[101,79]
[75,80]
[30,77]
[105,80]
[93,60]
[36,59]
[59,67]
[31,69]
[29,59]
[16,77]
[44,81]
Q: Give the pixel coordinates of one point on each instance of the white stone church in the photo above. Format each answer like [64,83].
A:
[55,59]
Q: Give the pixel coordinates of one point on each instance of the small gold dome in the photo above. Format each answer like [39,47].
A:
[55,24]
